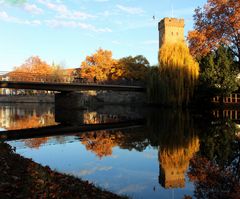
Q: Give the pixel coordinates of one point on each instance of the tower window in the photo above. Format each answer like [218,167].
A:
[172,33]
[177,33]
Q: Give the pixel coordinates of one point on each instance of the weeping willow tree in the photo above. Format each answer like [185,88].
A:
[153,85]
[178,73]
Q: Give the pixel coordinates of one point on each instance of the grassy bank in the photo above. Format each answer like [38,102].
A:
[22,178]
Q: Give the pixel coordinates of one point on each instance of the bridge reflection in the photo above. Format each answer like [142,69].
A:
[173,133]
[176,143]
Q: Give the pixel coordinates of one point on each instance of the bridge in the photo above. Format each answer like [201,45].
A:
[62,83]
[68,87]
[65,130]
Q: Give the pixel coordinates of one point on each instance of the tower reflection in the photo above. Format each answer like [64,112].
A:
[176,137]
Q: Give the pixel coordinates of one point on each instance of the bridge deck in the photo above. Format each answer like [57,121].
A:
[65,130]
[68,86]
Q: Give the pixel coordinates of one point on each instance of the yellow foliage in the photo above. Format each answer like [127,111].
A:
[35,68]
[178,73]
[35,65]
[174,163]
[98,66]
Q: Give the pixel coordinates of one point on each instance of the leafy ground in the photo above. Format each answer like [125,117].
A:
[23,178]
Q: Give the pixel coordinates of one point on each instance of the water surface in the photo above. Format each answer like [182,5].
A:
[147,161]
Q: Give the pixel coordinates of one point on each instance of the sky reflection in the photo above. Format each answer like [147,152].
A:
[144,162]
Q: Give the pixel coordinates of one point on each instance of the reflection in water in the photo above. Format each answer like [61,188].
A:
[176,143]
[173,131]
[173,146]
[99,143]
[26,116]
[133,161]
[174,164]
[35,142]
[32,121]
[102,143]
[216,170]
[212,181]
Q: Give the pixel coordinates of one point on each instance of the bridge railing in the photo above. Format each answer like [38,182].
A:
[60,78]
[35,77]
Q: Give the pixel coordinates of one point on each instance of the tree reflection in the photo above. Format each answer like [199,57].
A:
[35,142]
[212,181]
[102,143]
[173,131]
[99,143]
[174,163]
[31,121]
[215,171]
[27,116]
[221,145]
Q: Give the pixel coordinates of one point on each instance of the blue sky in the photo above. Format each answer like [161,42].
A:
[67,31]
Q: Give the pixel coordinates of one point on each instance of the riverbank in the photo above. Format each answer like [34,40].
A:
[27,99]
[22,178]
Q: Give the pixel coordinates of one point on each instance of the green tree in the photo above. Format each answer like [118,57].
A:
[134,67]
[154,85]
[218,73]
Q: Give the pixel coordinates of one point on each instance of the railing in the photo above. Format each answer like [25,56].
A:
[231,99]
[35,77]
[61,78]
[227,114]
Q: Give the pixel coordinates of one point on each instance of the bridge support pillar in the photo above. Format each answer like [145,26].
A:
[69,100]
[69,108]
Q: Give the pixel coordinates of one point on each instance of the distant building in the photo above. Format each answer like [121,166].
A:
[171,30]
[5,91]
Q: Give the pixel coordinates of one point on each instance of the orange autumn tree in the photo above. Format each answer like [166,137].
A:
[98,66]
[36,69]
[35,65]
[217,23]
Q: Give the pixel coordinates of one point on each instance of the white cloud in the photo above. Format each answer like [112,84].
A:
[32,8]
[60,8]
[132,188]
[76,15]
[130,10]
[64,12]
[96,169]
[73,24]
[52,23]
[5,17]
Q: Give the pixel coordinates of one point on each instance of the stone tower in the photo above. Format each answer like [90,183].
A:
[171,30]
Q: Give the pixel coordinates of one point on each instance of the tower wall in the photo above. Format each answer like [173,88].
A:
[171,30]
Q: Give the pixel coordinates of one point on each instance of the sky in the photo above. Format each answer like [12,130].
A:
[66,31]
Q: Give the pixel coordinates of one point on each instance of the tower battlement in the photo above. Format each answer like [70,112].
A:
[171,30]
[171,22]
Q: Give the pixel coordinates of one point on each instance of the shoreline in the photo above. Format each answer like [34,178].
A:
[23,178]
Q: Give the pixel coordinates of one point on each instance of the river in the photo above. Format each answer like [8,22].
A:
[160,158]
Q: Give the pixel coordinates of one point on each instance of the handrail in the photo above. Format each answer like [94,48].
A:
[14,76]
